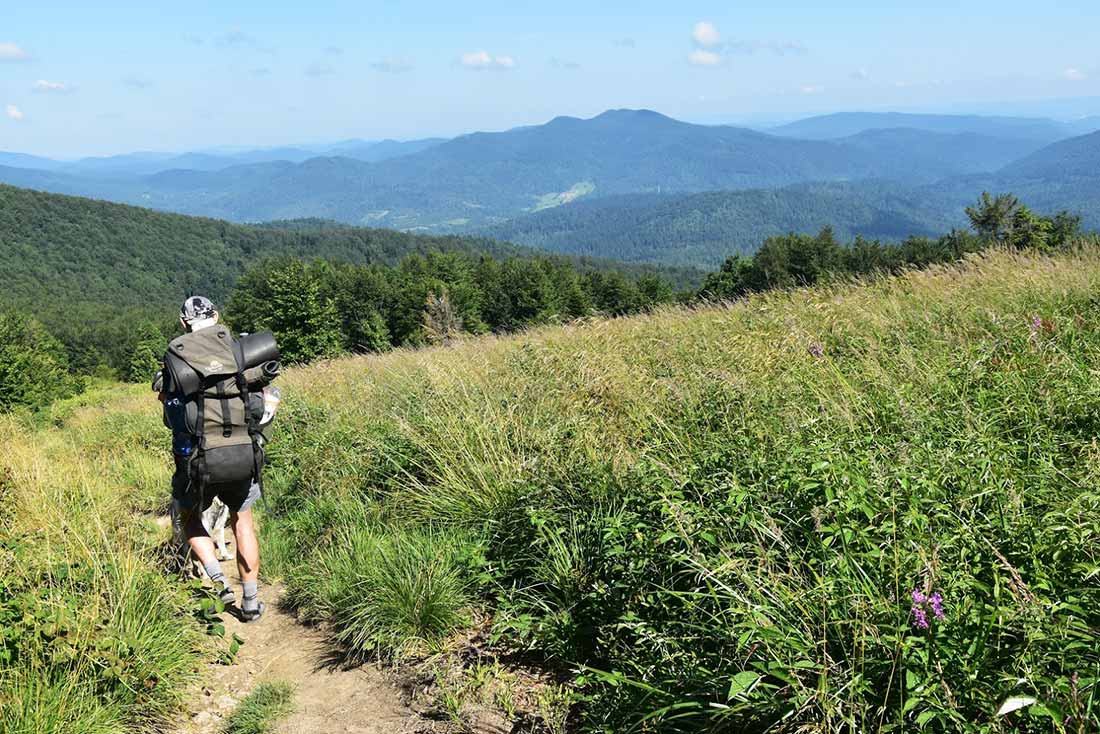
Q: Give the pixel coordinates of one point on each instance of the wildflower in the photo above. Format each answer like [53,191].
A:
[922,604]
[1035,325]
[936,602]
[920,618]
[816,350]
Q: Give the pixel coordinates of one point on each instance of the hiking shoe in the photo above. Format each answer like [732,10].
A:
[223,592]
[251,615]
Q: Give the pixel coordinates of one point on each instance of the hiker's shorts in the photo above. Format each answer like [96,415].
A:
[237,496]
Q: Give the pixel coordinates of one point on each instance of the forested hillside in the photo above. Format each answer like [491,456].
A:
[106,278]
[703,229]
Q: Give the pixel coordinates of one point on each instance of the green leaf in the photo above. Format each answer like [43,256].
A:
[926,716]
[741,683]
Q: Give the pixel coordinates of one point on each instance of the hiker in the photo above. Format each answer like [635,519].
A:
[212,386]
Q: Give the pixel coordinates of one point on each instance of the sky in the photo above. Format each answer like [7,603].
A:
[79,78]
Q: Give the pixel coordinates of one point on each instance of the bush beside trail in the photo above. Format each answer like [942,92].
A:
[732,518]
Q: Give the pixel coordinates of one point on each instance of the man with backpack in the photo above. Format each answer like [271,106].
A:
[212,387]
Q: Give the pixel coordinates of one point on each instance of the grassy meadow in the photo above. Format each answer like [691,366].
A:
[853,508]
[95,638]
[716,519]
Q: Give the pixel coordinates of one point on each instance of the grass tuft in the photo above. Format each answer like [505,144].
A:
[262,709]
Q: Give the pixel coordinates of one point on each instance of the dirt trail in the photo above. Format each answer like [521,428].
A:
[328,700]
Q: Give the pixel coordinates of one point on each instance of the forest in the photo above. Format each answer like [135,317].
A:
[327,290]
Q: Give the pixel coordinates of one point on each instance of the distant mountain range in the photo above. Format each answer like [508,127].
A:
[844,124]
[560,184]
[146,163]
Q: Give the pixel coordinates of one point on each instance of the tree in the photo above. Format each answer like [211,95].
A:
[441,322]
[369,332]
[33,366]
[728,282]
[992,217]
[289,298]
[146,354]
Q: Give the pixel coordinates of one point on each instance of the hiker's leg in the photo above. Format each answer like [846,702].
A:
[248,563]
[203,548]
[248,547]
[199,539]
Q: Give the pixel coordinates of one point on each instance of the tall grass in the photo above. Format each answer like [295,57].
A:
[93,637]
[711,519]
[717,517]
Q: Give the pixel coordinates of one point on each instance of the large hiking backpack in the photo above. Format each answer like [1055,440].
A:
[215,382]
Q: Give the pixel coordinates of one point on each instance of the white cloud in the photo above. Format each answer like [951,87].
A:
[699,57]
[11,52]
[811,89]
[1074,74]
[47,87]
[14,113]
[484,60]
[705,34]
[393,65]
[861,75]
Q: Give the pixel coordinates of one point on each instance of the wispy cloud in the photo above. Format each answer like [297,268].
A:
[705,34]
[625,42]
[393,65]
[138,82]
[14,113]
[702,57]
[480,60]
[563,63]
[12,52]
[1074,74]
[317,69]
[235,37]
[42,86]
[779,48]
[861,75]
[811,89]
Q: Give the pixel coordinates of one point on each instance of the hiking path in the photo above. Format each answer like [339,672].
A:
[328,699]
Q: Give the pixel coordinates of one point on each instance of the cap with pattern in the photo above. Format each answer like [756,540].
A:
[196,308]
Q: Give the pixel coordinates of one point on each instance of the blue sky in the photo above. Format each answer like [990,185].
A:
[96,78]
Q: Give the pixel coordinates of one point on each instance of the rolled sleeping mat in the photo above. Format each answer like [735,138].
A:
[256,349]
[183,378]
[262,375]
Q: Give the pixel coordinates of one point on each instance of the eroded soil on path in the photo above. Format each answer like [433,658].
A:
[328,699]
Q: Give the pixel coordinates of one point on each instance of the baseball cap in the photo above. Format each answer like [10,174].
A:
[196,308]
